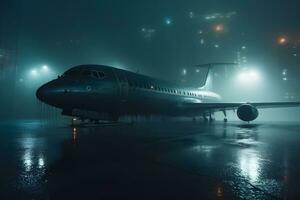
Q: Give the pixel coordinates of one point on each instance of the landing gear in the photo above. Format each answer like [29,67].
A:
[211,118]
[208,117]
[205,118]
[225,116]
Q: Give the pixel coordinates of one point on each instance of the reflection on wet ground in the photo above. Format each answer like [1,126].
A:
[153,160]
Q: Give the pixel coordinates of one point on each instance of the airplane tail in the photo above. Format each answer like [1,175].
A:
[208,81]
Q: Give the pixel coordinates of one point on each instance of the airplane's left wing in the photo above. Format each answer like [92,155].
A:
[234,106]
[245,111]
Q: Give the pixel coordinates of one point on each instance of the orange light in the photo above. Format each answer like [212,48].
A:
[219,28]
[282,40]
[220,192]
[74,134]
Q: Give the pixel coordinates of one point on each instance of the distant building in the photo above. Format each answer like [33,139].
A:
[7,82]
[289,64]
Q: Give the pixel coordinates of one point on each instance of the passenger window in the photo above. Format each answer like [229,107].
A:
[95,74]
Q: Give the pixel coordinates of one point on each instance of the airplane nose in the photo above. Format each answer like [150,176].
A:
[53,93]
[41,93]
[49,92]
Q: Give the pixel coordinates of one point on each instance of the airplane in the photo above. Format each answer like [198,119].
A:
[103,93]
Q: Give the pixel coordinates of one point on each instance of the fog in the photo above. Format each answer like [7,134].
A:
[41,39]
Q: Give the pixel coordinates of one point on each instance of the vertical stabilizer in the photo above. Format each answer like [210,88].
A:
[208,82]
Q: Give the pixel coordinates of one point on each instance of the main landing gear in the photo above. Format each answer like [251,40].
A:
[208,117]
[225,116]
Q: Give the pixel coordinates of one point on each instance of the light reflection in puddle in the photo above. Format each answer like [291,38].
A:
[28,145]
[41,162]
[205,149]
[27,160]
[249,163]
[33,166]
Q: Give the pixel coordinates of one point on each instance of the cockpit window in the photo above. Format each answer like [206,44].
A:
[85,73]
[101,75]
[95,74]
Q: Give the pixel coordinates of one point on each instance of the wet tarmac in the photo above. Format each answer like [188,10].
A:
[150,160]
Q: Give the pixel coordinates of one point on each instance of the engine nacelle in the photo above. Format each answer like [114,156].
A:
[247,112]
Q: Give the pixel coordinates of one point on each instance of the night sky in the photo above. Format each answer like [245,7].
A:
[158,38]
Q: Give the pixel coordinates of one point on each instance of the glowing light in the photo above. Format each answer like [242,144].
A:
[148,33]
[244,47]
[41,72]
[168,21]
[242,76]
[74,134]
[215,16]
[184,71]
[253,75]
[217,46]
[202,41]
[284,72]
[282,40]
[248,76]
[41,162]
[45,68]
[34,72]
[219,28]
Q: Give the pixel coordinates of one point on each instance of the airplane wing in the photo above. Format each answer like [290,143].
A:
[234,106]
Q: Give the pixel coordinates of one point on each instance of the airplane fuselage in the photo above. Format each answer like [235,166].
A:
[94,91]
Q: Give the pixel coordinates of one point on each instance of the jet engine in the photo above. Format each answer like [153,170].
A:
[247,112]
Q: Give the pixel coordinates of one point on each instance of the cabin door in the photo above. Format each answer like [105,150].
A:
[123,85]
